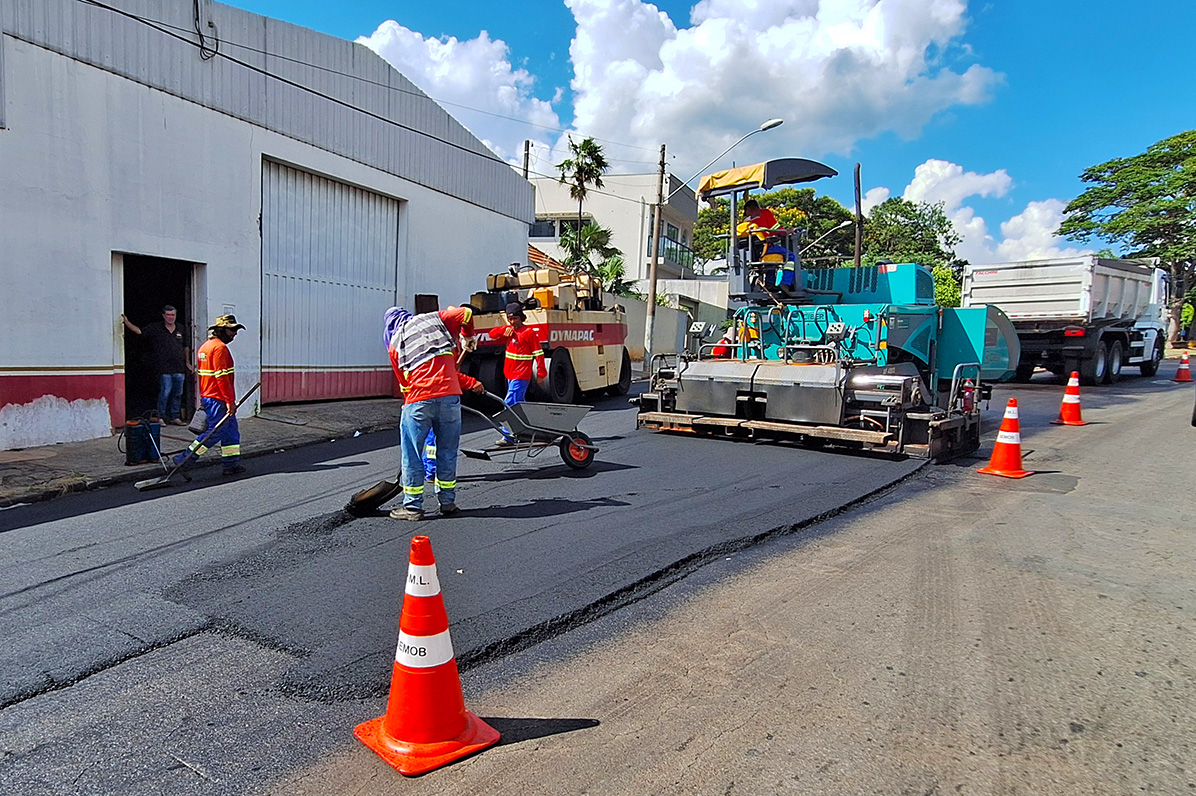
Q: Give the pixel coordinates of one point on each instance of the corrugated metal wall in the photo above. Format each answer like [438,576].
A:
[329,269]
[348,101]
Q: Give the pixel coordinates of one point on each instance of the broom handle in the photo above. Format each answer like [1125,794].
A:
[227,415]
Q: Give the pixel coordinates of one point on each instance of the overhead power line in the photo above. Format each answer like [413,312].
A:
[209,50]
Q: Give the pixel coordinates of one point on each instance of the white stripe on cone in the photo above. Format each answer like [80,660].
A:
[422,581]
[1009,438]
[1011,412]
[1071,399]
[424,652]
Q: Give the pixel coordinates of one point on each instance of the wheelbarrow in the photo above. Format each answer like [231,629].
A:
[531,427]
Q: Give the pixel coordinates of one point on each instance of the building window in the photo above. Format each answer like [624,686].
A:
[542,228]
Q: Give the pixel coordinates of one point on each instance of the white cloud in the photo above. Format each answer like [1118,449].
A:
[1027,236]
[872,198]
[837,71]
[1030,235]
[471,74]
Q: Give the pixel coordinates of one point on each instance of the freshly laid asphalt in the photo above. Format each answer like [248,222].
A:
[210,637]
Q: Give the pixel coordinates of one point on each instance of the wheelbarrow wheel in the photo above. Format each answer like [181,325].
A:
[573,454]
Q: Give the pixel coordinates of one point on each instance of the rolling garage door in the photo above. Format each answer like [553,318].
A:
[329,271]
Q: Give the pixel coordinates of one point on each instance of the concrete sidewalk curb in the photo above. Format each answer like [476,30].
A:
[70,485]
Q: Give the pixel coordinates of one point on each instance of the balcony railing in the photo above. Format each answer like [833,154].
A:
[674,251]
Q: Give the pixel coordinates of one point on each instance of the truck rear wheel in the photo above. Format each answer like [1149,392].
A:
[1151,366]
[561,384]
[1092,370]
[1116,358]
[623,385]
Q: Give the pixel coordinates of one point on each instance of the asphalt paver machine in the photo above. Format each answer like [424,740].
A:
[853,357]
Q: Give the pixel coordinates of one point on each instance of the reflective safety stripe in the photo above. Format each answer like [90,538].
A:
[445,484]
[424,652]
[230,450]
[524,357]
[429,451]
[468,313]
[413,490]
[422,581]
[1010,411]
[197,449]
[1010,438]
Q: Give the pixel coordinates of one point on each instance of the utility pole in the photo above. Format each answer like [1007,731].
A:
[650,316]
[527,155]
[859,218]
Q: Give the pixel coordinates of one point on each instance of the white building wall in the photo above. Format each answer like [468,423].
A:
[95,165]
[624,206]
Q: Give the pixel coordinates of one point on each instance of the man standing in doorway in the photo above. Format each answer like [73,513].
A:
[217,389]
[170,355]
[423,355]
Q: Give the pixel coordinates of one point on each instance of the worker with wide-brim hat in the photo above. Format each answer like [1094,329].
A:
[217,390]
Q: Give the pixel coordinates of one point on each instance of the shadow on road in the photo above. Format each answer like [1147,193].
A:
[549,507]
[520,730]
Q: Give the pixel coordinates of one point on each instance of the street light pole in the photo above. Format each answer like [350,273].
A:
[650,312]
[650,316]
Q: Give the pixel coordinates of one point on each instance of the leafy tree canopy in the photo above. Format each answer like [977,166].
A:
[793,207]
[582,170]
[911,232]
[1146,203]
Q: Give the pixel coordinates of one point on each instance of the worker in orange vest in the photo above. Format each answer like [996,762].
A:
[214,365]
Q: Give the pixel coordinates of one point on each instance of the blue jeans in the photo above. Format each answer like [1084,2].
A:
[170,395]
[516,391]
[430,457]
[443,416]
[228,437]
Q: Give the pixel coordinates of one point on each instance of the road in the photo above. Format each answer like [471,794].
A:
[214,638]
[958,633]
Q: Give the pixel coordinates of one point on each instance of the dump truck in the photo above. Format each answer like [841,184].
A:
[855,357]
[1087,314]
[583,339]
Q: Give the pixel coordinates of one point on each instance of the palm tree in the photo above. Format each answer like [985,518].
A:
[589,248]
[581,170]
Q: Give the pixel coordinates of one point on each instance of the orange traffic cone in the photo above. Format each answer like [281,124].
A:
[1069,412]
[1184,373]
[1007,453]
[426,725]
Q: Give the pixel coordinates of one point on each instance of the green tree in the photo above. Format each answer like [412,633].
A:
[582,170]
[916,232]
[911,232]
[612,273]
[794,207]
[1146,203]
[591,252]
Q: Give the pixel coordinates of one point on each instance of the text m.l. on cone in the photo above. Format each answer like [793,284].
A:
[1069,412]
[426,725]
[1007,453]
[1185,371]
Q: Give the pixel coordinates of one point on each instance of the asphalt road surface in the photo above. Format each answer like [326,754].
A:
[216,637]
[957,634]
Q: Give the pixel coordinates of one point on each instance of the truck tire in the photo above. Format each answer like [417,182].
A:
[623,385]
[1024,372]
[1116,358]
[1151,366]
[1093,369]
[561,384]
[491,376]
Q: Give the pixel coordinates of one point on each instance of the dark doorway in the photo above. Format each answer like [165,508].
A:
[426,302]
[150,284]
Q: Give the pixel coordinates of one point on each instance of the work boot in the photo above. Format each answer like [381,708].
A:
[233,471]
[402,513]
[449,509]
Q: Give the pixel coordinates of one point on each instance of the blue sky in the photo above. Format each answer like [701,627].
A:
[993,108]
